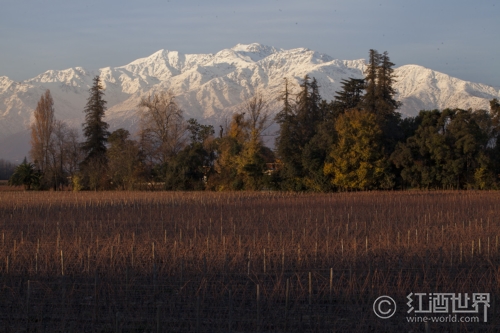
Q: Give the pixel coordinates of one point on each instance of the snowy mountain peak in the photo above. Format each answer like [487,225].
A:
[254,51]
[210,87]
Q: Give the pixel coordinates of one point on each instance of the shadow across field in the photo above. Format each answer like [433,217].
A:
[244,262]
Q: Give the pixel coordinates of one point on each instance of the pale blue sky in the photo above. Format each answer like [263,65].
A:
[457,37]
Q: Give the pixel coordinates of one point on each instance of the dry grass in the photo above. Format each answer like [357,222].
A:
[148,261]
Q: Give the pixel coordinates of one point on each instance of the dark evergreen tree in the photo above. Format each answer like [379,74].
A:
[25,174]
[369,101]
[495,114]
[308,114]
[287,140]
[494,144]
[299,123]
[448,150]
[350,96]
[314,155]
[198,132]
[186,170]
[95,131]
[386,105]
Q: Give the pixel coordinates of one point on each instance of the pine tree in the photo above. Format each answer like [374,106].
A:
[308,114]
[495,113]
[287,140]
[285,119]
[386,105]
[350,96]
[95,131]
[369,101]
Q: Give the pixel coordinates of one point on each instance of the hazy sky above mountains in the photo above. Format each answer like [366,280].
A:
[457,37]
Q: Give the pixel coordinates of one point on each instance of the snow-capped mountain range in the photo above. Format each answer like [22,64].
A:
[210,87]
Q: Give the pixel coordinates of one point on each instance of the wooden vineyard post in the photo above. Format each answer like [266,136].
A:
[472,250]
[248,263]
[126,284]
[451,255]
[230,319]
[132,256]
[316,252]
[287,300]
[310,289]
[28,299]
[258,308]
[331,289]
[158,317]
[282,259]
[96,303]
[310,300]
[461,252]
[117,321]
[198,313]
[342,247]
[62,263]
[264,261]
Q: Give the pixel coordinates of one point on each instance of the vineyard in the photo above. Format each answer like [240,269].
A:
[241,261]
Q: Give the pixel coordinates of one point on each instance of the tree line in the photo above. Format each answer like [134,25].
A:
[358,141]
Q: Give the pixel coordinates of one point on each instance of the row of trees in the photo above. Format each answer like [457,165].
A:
[6,169]
[358,141]
[169,153]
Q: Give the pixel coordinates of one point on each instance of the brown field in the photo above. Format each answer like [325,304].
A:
[243,262]
[5,187]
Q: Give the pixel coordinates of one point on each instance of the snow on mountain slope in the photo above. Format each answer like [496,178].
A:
[422,88]
[210,87]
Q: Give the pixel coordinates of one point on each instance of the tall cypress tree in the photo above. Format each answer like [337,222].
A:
[286,142]
[96,135]
[369,101]
[95,129]
[308,112]
[385,103]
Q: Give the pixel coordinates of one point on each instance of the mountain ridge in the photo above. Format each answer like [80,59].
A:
[210,87]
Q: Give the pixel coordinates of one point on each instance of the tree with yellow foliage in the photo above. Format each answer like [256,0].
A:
[357,157]
[241,162]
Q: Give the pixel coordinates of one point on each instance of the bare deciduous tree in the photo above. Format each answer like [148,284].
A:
[41,130]
[74,154]
[257,108]
[163,128]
